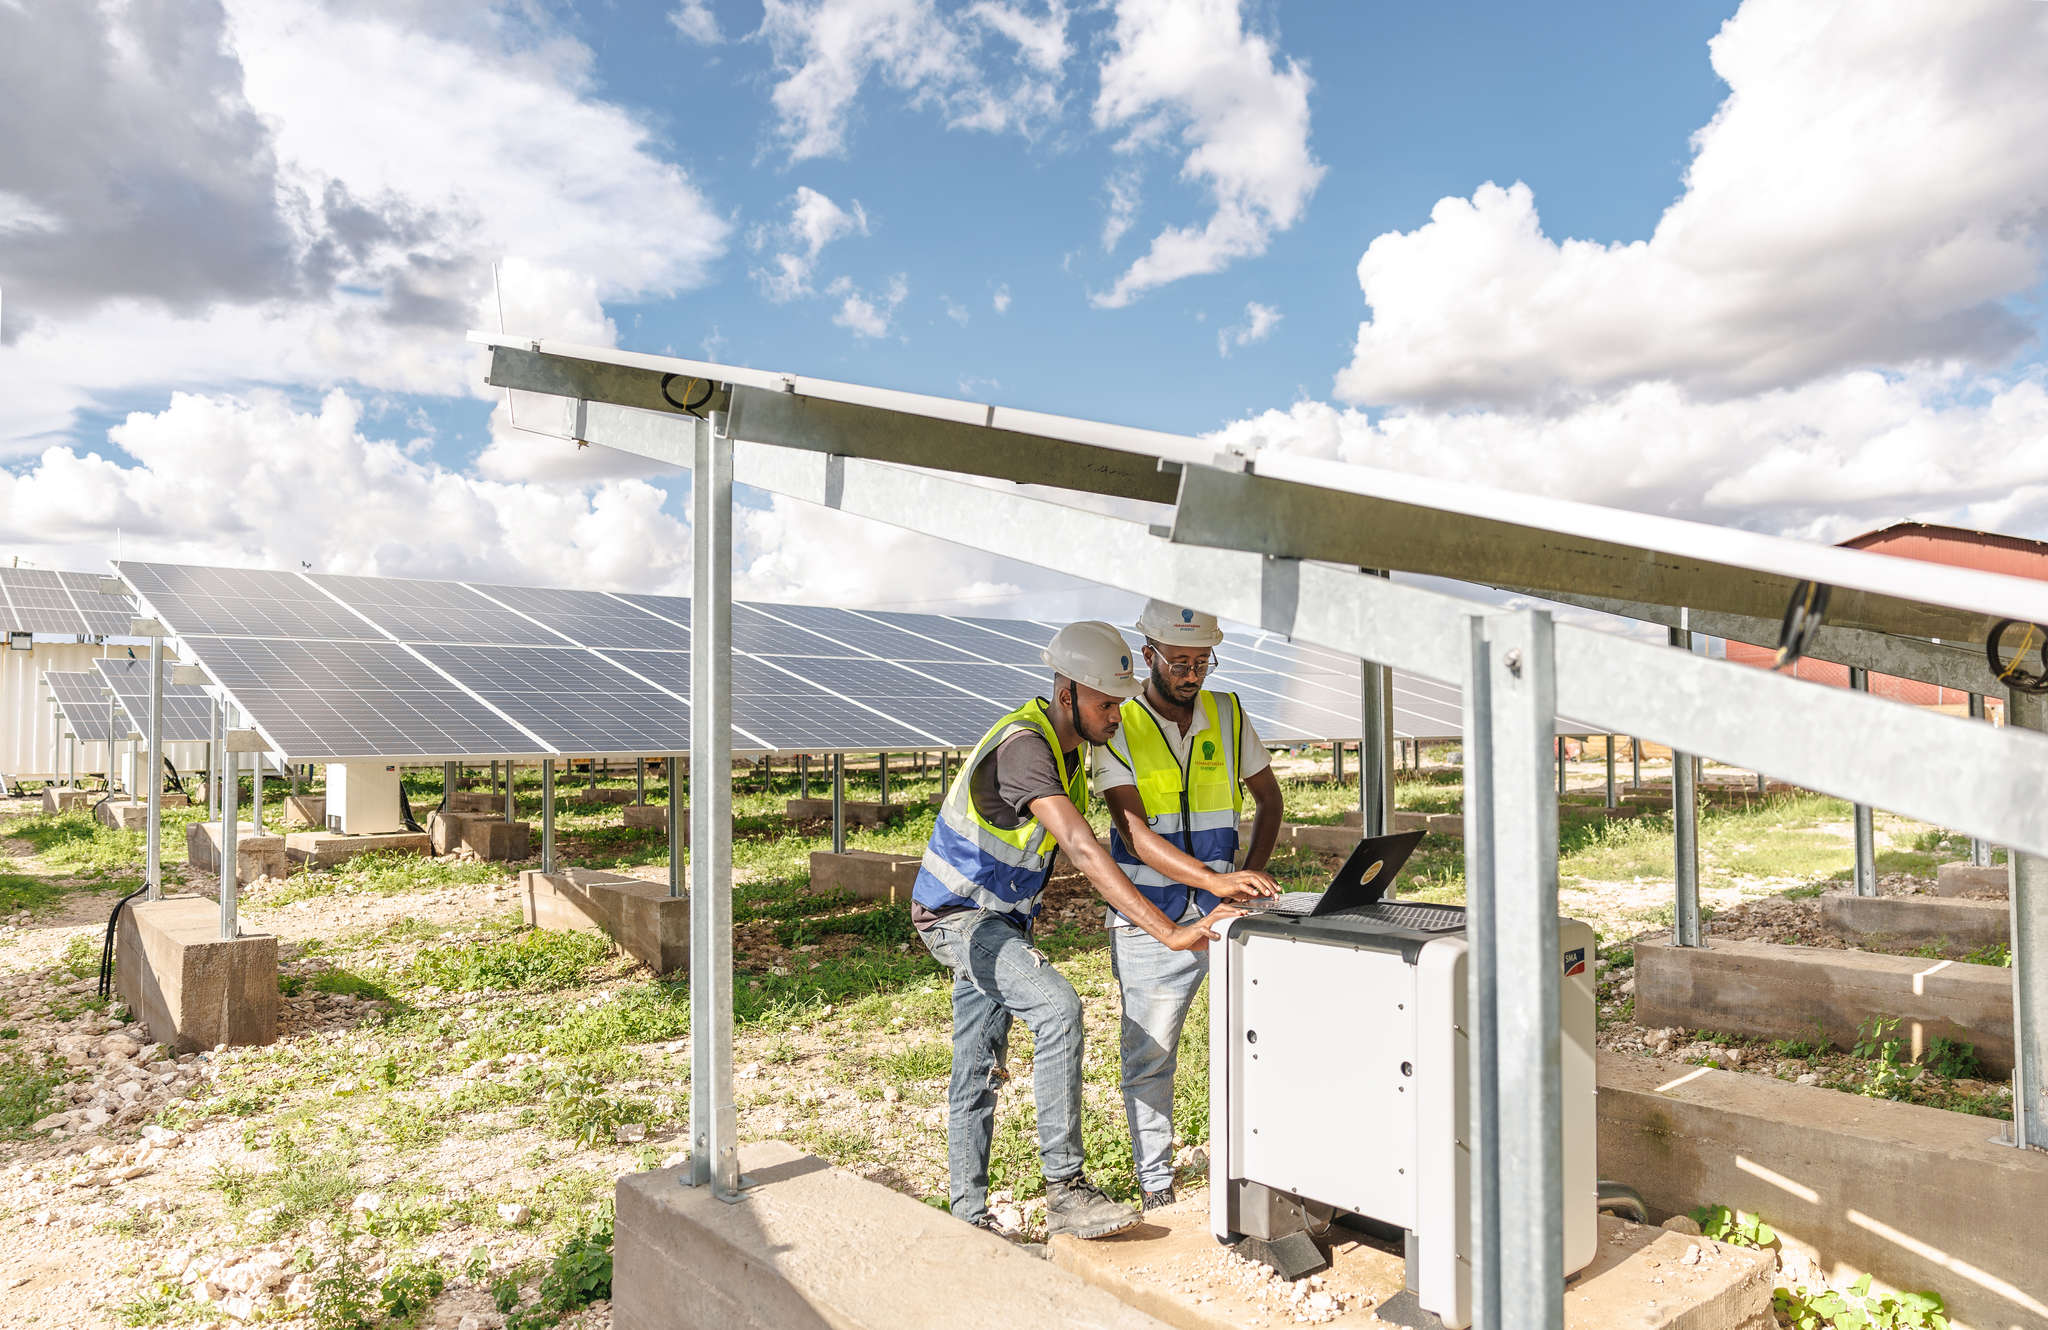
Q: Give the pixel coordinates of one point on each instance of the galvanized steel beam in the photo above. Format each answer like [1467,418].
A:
[1865,826]
[1685,833]
[2029,914]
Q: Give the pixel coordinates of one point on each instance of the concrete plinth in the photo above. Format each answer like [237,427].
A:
[64,800]
[603,794]
[122,815]
[1768,991]
[646,922]
[1337,839]
[485,836]
[811,1246]
[255,856]
[193,988]
[476,801]
[1637,1278]
[1970,880]
[306,809]
[1918,1197]
[653,817]
[859,813]
[868,874]
[325,849]
[1956,925]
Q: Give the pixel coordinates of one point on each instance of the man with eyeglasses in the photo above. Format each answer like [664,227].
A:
[1174,775]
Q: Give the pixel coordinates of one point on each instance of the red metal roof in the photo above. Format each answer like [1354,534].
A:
[1986,551]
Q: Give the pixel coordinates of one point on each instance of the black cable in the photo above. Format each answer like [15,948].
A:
[1803,616]
[2012,673]
[405,811]
[107,947]
[695,408]
[176,782]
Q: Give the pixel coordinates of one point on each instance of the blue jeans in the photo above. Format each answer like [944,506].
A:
[1158,986]
[998,975]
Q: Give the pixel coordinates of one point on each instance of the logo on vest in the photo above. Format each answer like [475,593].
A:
[1208,750]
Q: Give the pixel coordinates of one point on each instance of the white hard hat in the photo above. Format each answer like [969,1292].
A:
[1093,653]
[1174,626]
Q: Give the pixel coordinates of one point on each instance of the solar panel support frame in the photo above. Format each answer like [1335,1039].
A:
[154,874]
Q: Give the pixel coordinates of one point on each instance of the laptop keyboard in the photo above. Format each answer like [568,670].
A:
[1287,902]
[1421,918]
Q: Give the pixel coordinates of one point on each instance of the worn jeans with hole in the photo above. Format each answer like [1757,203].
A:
[1158,986]
[998,975]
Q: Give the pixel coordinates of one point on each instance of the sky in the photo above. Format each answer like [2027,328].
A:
[1776,264]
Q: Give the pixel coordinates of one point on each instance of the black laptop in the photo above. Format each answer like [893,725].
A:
[1359,884]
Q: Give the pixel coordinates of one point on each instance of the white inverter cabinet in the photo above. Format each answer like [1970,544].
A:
[362,798]
[1339,1073]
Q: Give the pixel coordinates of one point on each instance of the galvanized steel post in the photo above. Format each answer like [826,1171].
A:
[2028,876]
[803,775]
[255,791]
[511,808]
[1559,743]
[1635,763]
[1517,1132]
[449,778]
[714,1121]
[1980,849]
[1610,771]
[1866,833]
[230,858]
[882,765]
[676,868]
[547,815]
[1685,834]
[154,874]
[640,781]
[213,756]
[839,803]
[1375,726]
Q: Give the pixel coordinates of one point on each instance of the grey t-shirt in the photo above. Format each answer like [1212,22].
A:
[1003,786]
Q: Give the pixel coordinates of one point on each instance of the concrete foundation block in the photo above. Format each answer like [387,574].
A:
[645,922]
[193,988]
[868,874]
[122,815]
[255,856]
[1447,824]
[859,813]
[604,794]
[1918,1197]
[654,817]
[1768,991]
[1625,1285]
[57,800]
[1408,821]
[1958,925]
[306,809]
[487,837]
[1337,839]
[325,849]
[811,1246]
[1970,880]
[474,801]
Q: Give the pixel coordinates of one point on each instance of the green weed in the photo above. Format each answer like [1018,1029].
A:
[1954,1059]
[24,1095]
[920,1062]
[539,960]
[1734,1227]
[410,1289]
[1858,1309]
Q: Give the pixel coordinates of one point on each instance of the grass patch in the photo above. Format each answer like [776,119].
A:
[539,960]
[25,1095]
[385,873]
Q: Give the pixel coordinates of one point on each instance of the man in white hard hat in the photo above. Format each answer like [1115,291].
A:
[1016,802]
[1174,776]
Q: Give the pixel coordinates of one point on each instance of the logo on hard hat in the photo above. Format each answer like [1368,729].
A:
[1124,664]
[1187,616]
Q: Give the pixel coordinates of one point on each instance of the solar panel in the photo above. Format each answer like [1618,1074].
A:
[791,712]
[963,636]
[40,600]
[570,699]
[332,701]
[865,634]
[591,618]
[82,697]
[1037,634]
[188,711]
[415,611]
[245,602]
[758,633]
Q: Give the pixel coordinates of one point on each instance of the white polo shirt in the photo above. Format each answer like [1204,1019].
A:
[1114,772]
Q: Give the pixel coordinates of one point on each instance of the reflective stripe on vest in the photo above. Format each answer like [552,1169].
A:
[971,861]
[1197,808]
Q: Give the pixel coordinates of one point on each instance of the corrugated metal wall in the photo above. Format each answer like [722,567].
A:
[28,735]
[30,741]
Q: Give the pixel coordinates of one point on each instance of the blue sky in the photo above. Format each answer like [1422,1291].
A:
[1776,264]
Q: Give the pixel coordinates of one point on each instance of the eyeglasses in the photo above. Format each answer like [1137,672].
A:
[1183,669]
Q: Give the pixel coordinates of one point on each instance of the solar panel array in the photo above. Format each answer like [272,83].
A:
[82,697]
[333,668]
[39,600]
[188,712]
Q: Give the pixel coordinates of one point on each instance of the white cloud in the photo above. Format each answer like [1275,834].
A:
[302,249]
[815,221]
[695,21]
[1001,299]
[1123,208]
[826,51]
[314,486]
[864,314]
[1258,325]
[956,311]
[1241,114]
[1822,461]
[1869,192]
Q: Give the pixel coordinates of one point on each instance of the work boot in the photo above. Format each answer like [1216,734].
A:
[1156,1199]
[1075,1205]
